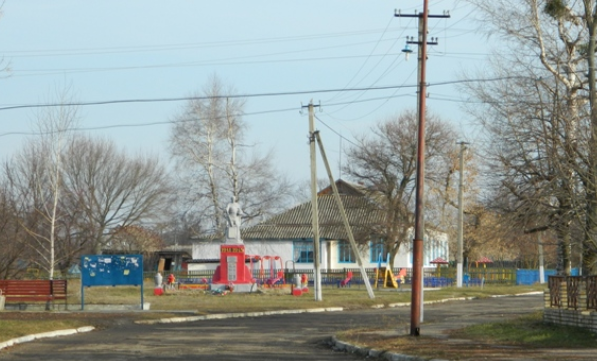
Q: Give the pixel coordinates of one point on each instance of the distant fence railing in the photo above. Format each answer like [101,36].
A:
[573,292]
[333,276]
[447,275]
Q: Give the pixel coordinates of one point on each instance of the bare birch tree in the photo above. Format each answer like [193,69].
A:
[537,117]
[100,190]
[36,173]
[214,163]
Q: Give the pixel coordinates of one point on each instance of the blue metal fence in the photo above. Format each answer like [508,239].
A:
[531,276]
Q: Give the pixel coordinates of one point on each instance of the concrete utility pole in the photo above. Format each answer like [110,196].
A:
[460,217]
[541,260]
[417,274]
[342,211]
[314,208]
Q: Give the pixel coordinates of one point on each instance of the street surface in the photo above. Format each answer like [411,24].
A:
[278,337]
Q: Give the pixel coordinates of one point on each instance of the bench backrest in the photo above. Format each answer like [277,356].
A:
[55,288]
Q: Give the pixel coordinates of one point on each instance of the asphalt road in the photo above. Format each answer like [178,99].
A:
[278,337]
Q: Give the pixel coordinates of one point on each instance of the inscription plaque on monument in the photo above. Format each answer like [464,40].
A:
[231,271]
[231,261]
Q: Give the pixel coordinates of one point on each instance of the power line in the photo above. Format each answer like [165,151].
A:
[225,61]
[78,129]
[221,62]
[178,99]
[181,46]
[172,122]
[253,95]
[182,121]
[371,54]
[335,132]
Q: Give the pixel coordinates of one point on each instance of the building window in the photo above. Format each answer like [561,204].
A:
[303,252]
[345,254]
[377,248]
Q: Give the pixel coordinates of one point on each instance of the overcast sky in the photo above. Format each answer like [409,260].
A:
[281,54]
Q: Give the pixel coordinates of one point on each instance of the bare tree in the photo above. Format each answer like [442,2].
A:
[214,163]
[197,143]
[136,239]
[536,117]
[107,189]
[36,175]
[12,234]
[385,163]
[27,176]
[55,129]
[100,189]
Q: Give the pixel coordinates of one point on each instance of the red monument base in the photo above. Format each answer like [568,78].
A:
[232,273]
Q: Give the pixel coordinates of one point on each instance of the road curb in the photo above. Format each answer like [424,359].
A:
[38,336]
[221,316]
[342,346]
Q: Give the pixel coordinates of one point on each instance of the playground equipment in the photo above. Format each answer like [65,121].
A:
[305,282]
[346,282]
[276,274]
[171,281]
[271,270]
[384,274]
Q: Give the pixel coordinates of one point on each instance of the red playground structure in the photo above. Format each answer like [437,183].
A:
[276,274]
[271,270]
[346,282]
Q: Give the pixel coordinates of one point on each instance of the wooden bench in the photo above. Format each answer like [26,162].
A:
[34,290]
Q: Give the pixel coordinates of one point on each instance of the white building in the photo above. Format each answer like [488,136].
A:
[288,236]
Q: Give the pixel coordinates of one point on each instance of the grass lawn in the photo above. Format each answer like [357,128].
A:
[529,331]
[200,301]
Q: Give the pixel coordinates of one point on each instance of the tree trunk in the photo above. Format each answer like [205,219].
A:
[590,240]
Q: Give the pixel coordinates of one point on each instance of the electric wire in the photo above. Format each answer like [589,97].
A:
[132,125]
[366,60]
[386,99]
[183,46]
[251,95]
[48,72]
[335,132]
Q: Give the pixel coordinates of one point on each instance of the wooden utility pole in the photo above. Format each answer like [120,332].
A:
[417,274]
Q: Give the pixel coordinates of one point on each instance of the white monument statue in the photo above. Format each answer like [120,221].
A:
[233,215]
